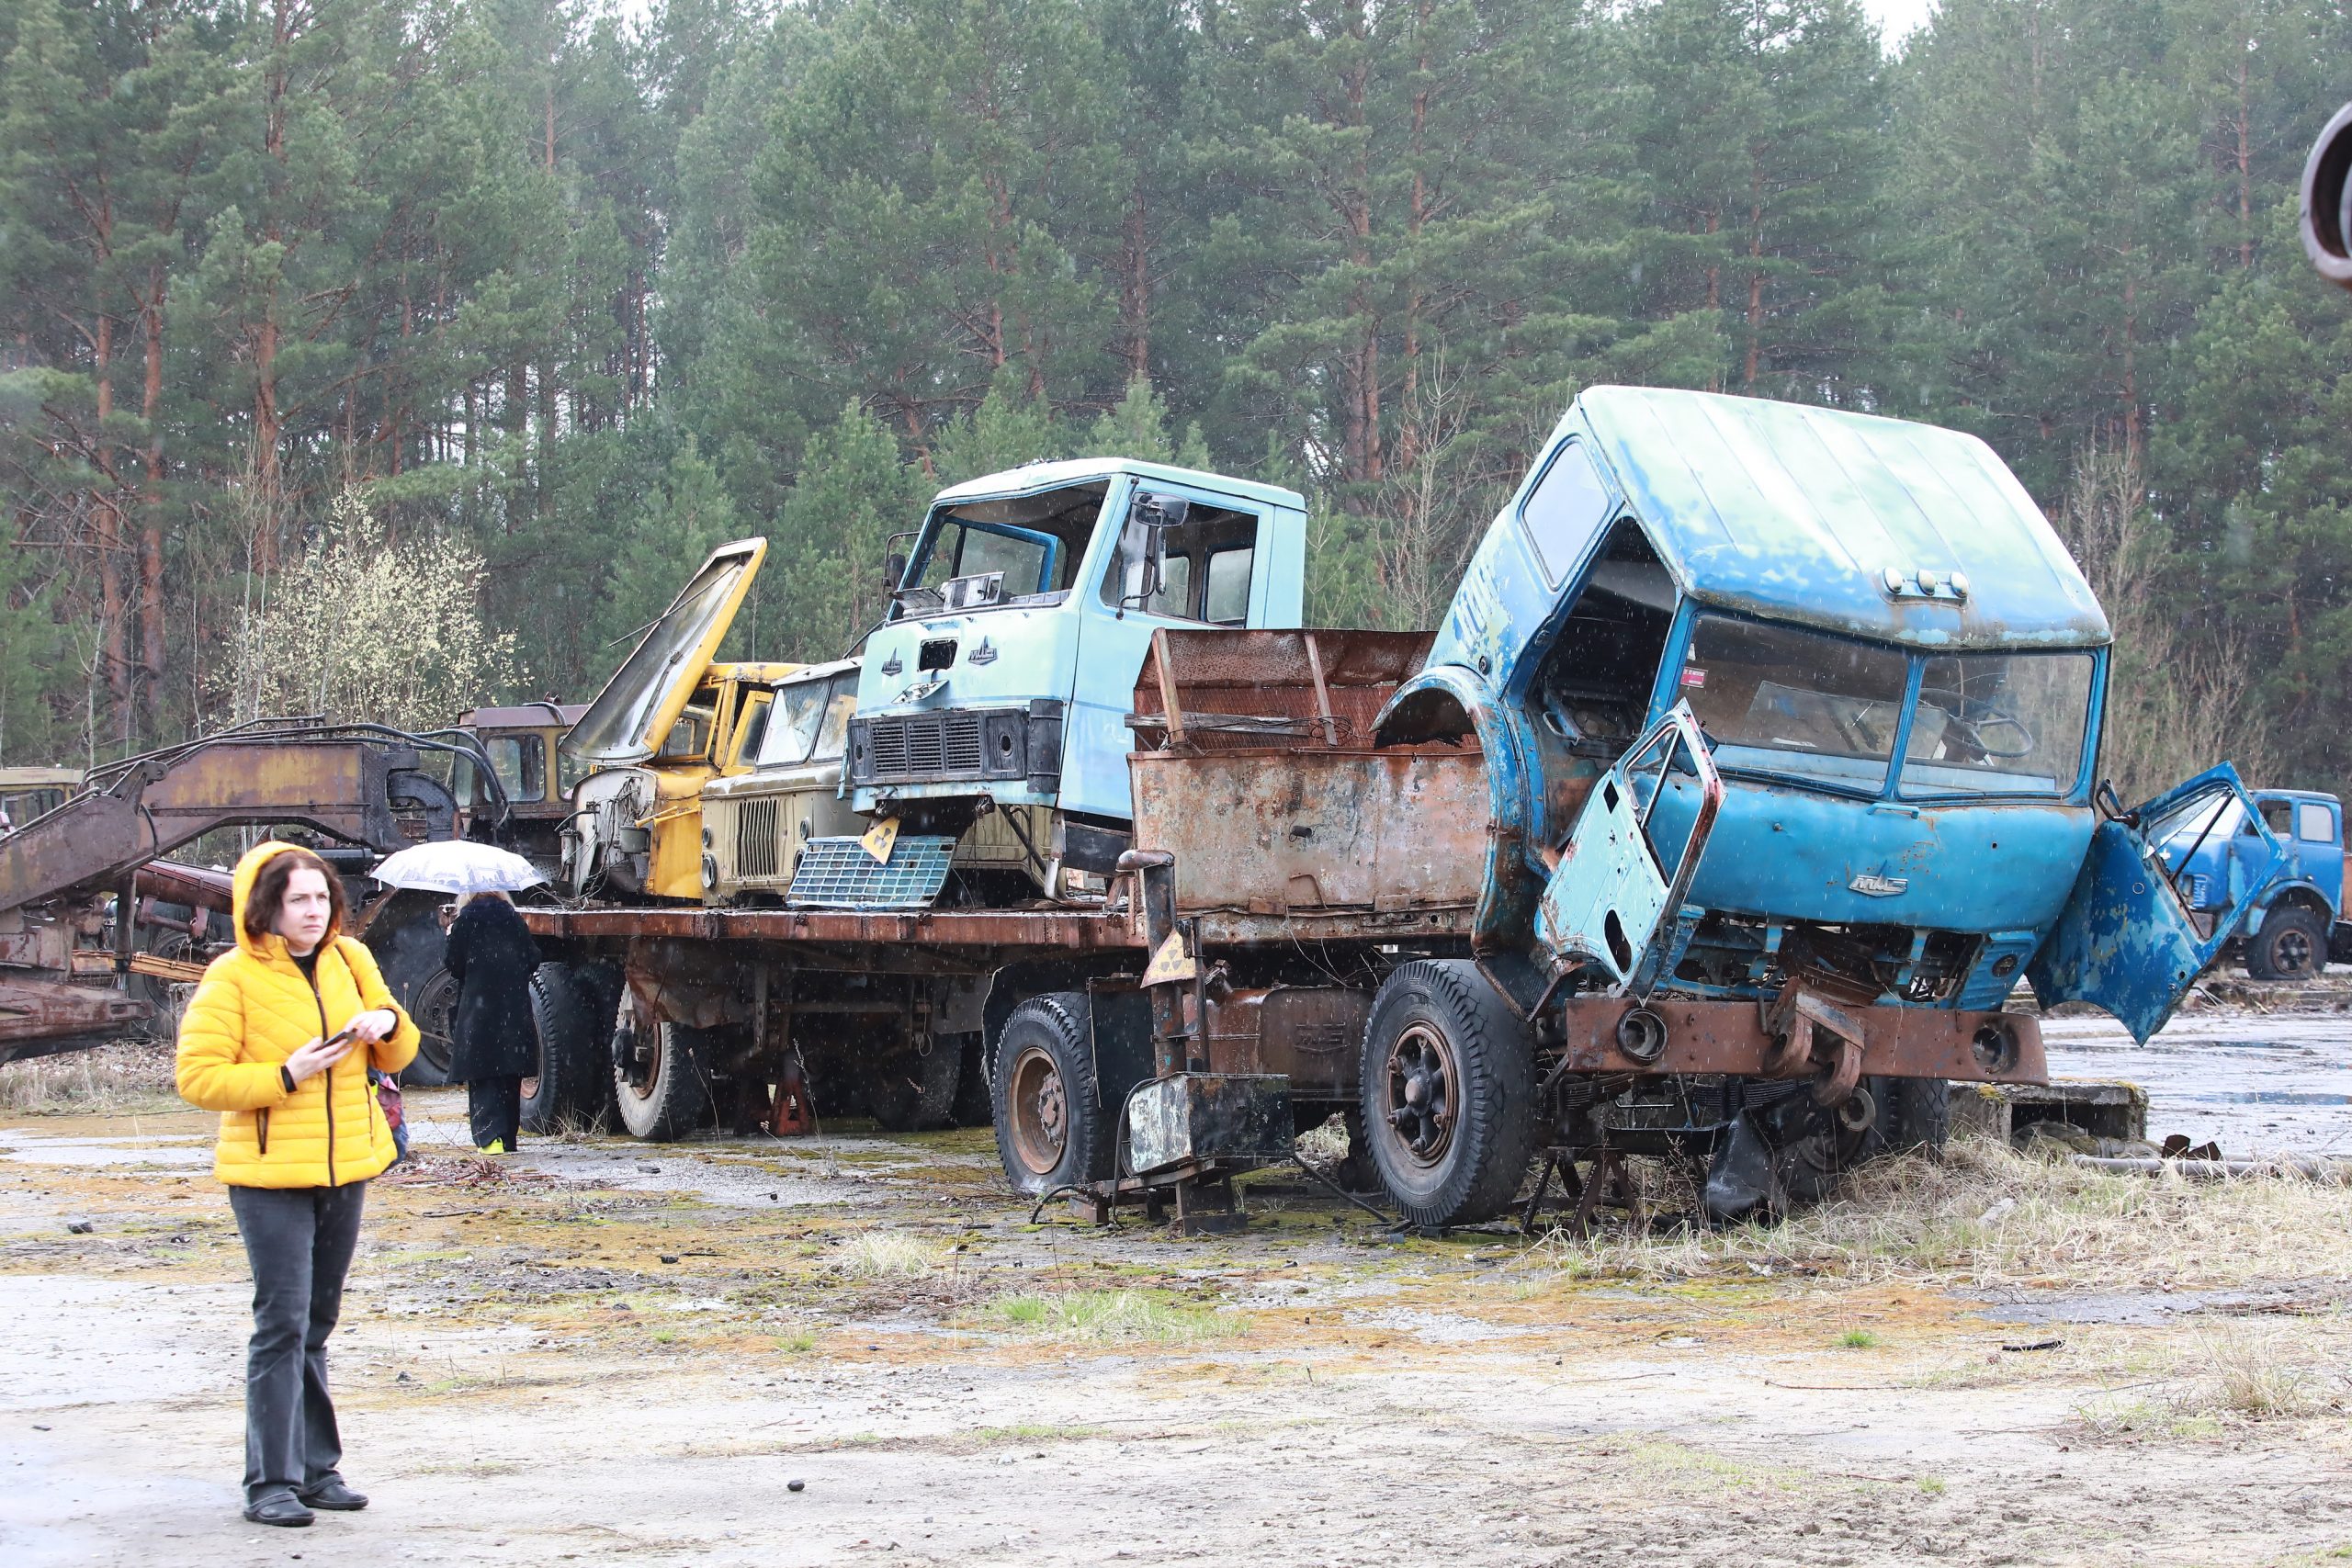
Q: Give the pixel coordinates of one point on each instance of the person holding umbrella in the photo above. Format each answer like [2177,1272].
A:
[493,1042]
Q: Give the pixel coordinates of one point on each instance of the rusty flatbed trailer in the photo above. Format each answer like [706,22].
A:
[1289,880]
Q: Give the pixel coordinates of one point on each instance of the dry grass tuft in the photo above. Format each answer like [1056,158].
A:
[891,1255]
[135,1075]
[2257,1375]
[1981,1216]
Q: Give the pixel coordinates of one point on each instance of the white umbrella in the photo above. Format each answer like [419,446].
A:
[457,865]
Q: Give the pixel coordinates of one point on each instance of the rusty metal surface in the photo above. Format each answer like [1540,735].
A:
[1064,930]
[33,1010]
[1289,832]
[1310,1034]
[1321,686]
[199,888]
[1196,1118]
[341,788]
[1731,1037]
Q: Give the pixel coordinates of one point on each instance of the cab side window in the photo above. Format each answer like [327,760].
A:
[2314,823]
[1204,573]
[2276,815]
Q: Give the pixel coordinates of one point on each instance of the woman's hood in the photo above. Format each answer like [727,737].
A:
[241,889]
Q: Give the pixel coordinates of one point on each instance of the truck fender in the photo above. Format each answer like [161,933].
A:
[1424,708]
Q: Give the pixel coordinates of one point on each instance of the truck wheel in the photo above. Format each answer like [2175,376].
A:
[672,1094]
[2291,945]
[573,1088]
[917,1094]
[1915,1114]
[435,1005]
[1048,1132]
[1448,1087]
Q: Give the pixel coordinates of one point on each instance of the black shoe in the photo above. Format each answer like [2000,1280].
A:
[336,1497]
[282,1509]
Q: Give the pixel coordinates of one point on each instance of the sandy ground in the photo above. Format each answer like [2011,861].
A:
[604,1351]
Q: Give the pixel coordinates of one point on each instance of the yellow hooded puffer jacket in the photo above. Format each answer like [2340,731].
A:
[253,1010]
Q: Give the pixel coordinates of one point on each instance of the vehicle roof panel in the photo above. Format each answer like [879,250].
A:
[1794,512]
[1032,477]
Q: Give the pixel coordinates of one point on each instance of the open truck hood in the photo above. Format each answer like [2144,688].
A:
[631,715]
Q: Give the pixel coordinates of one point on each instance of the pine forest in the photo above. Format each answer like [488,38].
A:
[437,340]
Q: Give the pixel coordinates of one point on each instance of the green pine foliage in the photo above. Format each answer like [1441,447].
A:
[591,289]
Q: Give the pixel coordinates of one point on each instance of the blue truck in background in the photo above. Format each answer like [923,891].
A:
[2290,929]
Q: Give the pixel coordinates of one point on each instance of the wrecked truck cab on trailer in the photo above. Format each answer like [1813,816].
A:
[993,701]
[1898,671]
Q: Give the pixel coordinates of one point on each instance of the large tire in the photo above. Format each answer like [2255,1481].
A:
[572,1090]
[674,1097]
[1915,1114]
[432,1005]
[1049,1132]
[1448,1090]
[917,1094]
[2291,944]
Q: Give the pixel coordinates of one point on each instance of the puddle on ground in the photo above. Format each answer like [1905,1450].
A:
[2255,1085]
[177,1151]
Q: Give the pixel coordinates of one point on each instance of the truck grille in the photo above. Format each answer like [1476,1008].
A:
[838,874]
[757,844]
[926,745]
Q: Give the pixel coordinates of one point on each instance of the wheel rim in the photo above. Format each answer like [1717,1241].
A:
[1040,1113]
[1423,1091]
[652,1084]
[435,1000]
[2291,953]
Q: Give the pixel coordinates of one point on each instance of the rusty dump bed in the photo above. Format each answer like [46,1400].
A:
[1254,770]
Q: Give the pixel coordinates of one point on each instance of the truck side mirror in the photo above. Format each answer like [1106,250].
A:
[1148,524]
[894,571]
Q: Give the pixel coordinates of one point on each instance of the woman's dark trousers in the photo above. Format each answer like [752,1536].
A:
[495,1108]
[298,1240]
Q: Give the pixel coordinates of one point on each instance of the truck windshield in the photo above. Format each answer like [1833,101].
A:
[1998,723]
[1780,699]
[1034,540]
[812,720]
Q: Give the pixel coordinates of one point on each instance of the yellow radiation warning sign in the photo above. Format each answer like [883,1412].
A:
[881,840]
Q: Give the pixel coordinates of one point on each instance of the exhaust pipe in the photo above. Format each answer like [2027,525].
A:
[2326,220]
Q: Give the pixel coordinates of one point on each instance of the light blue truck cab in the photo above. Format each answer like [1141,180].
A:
[1898,672]
[1001,684]
[2289,930]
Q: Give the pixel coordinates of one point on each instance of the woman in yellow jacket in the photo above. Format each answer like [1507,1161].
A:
[278,1039]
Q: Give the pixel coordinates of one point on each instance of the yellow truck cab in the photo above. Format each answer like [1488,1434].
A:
[671,720]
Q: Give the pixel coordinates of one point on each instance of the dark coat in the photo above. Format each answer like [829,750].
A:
[490,956]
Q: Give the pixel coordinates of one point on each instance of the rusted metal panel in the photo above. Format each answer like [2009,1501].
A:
[1225,690]
[1731,1037]
[1197,1118]
[34,1010]
[1285,832]
[1065,929]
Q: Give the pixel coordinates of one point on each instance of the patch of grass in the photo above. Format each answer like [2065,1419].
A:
[130,1075]
[1982,1216]
[796,1344]
[1932,1485]
[1858,1339]
[2257,1376]
[1029,1432]
[891,1255]
[1115,1315]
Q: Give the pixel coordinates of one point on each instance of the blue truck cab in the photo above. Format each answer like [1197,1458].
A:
[1897,673]
[992,704]
[2289,930]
